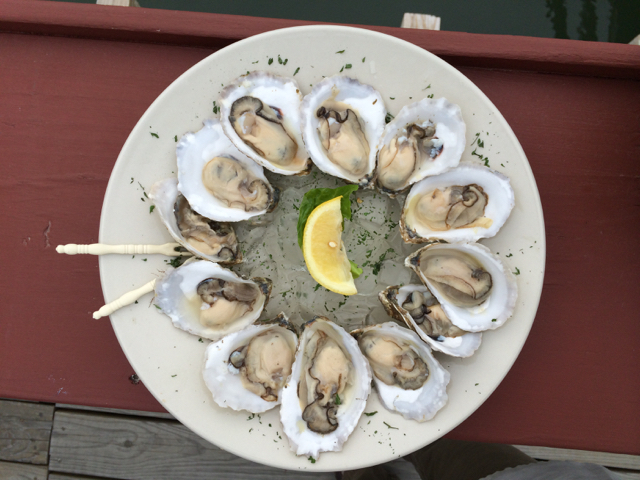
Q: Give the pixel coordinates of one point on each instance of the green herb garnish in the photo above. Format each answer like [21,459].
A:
[348,65]
[152,208]
[317,196]
[175,138]
[517,272]
[337,399]
[311,459]
[270,61]
[297,70]
[341,51]
[370,414]
[154,135]
[356,271]
[389,426]
[388,117]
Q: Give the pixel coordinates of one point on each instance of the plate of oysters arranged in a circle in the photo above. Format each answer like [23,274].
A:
[435,256]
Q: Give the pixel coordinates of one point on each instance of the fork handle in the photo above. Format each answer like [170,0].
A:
[126,299]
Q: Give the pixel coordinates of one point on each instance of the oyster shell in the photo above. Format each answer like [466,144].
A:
[207,300]
[419,310]
[327,391]
[247,370]
[260,113]
[407,377]
[425,138]
[474,288]
[464,204]
[205,238]
[219,182]
[342,120]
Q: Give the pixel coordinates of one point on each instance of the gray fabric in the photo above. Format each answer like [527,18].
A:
[554,470]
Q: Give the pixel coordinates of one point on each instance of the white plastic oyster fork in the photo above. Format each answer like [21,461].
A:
[168,249]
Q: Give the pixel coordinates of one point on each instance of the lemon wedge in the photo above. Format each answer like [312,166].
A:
[323,250]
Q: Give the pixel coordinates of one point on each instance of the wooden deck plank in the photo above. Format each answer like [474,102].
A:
[617,460]
[25,429]
[117,411]
[22,471]
[139,449]
[64,476]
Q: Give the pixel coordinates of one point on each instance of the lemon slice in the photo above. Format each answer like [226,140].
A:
[323,250]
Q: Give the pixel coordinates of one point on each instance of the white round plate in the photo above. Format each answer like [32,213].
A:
[169,361]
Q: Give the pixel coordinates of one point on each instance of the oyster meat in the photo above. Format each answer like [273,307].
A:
[420,311]
[260,113]
[219,182]
[207,300]
[205,238]
[247,370]
[342,120]
[464,204]
[407,377]
[327,391]
[425,138]
[475,290]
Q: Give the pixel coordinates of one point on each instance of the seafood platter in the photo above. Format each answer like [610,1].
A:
[240,342]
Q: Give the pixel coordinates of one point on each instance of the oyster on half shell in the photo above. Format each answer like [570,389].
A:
[474,288]
[207,300]
[219,181]
[425,138]
[464,204]
[342,120]
[420,311]
[205,238]
[247,370]
[260,113]
[328,389]
[407,377]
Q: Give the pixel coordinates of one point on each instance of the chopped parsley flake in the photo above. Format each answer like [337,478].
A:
[200,340]
[174,375]
[341,51]
[341,70]
[389,426]
[510,255]
[175,138]
[363,59]
[370,414]
[348,65]
[517,272]
[388,117]
[157,306]
[297,70]
[392,98]
[493,320]
[311,459]
[270,61]
[154,135]
[430,96]
[216,108]
[337,399]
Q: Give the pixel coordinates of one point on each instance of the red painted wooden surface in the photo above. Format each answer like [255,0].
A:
[67,105]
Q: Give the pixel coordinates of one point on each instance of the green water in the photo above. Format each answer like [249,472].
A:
[596,20]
